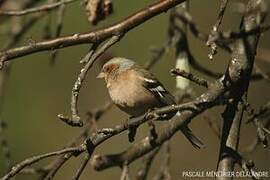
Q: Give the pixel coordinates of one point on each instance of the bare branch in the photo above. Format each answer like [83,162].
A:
[198,80]
[75,119]
[215,28]
[125,172]
[242,61]
[146,164]
[95,115]
[59,27]
[34,159]
[4,145]
[82,167]
[91,37]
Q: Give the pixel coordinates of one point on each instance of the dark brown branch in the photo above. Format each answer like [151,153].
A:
[230,136]
[91,37]
[242,62]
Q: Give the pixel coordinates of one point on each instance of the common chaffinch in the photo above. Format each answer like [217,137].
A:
[135,90]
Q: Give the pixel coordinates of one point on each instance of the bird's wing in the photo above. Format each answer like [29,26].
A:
[150,83]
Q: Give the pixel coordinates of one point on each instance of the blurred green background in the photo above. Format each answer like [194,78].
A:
[35,92]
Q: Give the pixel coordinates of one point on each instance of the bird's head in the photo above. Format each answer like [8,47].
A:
[115,66]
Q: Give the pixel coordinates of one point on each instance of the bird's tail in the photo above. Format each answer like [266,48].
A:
[197,143]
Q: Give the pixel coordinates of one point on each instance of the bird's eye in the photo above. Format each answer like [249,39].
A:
[107,69]
[110,68]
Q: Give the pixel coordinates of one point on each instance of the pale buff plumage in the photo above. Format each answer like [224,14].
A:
[135,90]
[127,94]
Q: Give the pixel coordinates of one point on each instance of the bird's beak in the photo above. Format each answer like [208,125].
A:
[101,75]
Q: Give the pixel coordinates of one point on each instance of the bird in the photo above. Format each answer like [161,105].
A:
[135,90]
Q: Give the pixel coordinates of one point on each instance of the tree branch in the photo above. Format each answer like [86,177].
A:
[196,79]
[240,67]
[34,159]
[91,37]
[75,119]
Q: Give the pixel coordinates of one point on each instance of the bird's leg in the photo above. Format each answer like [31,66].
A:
[152,129]
[154,116]
[132,131]
[153,134]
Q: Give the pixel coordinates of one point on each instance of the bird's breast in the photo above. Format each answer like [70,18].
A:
[131,97]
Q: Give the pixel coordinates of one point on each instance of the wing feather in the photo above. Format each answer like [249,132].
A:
[151,84]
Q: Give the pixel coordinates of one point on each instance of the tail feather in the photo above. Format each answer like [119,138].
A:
[197,143]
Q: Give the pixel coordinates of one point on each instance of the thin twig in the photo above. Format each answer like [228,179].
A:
[46,7]
[59,27]
[125,172]
[4,145]
[146,164]
[16,37]
[260,71]
[215,28]
[158,53]
[75,119]
[95,114]
[164,172]
[213,125]
[16,169]
[81,168]
[198,80]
